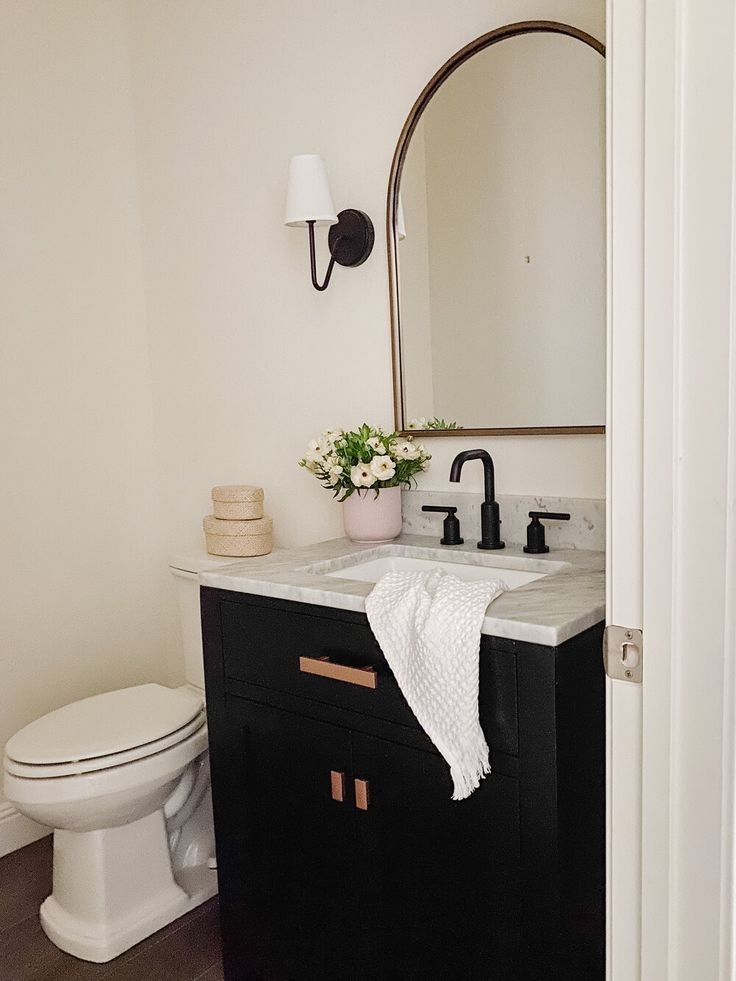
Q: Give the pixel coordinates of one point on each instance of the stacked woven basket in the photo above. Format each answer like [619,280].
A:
[238,525]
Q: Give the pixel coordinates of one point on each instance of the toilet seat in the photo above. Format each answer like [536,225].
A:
[104,731]
[36,771]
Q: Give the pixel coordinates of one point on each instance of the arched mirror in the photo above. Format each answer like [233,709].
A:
[496,227]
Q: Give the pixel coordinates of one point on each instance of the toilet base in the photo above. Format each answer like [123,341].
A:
[115,887]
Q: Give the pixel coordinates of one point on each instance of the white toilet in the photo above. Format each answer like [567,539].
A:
[123,778]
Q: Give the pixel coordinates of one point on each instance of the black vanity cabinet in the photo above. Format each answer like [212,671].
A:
[341,856]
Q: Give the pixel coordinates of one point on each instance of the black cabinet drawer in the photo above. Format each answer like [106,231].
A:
[334,659]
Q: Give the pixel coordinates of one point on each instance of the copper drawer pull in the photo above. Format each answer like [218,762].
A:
[362,795]
[337,785]
[325,668]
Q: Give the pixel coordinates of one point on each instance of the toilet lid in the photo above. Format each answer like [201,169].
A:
[104,724]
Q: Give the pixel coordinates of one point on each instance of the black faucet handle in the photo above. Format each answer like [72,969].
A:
[535,543]
[451,525]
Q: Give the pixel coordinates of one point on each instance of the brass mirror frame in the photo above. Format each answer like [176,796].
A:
[397,165]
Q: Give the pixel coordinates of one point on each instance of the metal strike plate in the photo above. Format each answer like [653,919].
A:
[623,653]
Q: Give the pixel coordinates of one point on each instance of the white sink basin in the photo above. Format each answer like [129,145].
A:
[373,568]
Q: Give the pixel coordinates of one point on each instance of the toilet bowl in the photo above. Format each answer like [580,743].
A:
[123,779]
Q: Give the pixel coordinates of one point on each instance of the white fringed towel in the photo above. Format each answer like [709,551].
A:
[428,626]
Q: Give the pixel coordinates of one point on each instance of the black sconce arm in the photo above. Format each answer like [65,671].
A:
[313,262]
[350,242]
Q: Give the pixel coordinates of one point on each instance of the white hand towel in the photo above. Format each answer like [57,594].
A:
[428,626]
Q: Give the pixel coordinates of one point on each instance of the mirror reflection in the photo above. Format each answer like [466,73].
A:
[500,243]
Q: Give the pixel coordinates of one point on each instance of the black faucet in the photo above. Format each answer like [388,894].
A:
[451,524]
[490,521]
[535,543]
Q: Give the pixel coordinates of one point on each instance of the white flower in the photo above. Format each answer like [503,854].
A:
[319,455]
[320,447]
[383,467]
[403,449]
[331,436]
[361,476]
[335,474]
[418,423]
[376,445]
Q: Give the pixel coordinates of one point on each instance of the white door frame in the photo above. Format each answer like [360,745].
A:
[625,112]
[672,487]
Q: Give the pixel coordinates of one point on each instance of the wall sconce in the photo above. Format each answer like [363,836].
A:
[309,202]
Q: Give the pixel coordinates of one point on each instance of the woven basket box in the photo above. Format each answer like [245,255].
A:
[238,538]
[237,502]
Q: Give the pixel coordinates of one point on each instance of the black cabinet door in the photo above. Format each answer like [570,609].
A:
[285,848]
[440,878]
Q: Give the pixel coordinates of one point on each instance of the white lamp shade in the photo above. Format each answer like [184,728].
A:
[400,220]
[308,197]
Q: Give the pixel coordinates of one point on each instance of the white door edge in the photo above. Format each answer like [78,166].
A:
[625,111]
[728,838]
[728,834]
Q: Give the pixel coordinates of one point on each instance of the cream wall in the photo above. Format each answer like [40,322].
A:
[81,571]
[248,360]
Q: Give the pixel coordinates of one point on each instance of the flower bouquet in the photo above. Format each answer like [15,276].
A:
[366,469]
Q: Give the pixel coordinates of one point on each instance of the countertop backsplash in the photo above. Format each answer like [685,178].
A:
[585,529]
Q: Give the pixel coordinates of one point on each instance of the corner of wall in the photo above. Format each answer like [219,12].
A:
[17,830]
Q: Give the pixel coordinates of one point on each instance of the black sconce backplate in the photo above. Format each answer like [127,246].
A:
[351,239]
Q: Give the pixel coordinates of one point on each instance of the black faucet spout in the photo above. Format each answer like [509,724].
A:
[489,474]
[490,521]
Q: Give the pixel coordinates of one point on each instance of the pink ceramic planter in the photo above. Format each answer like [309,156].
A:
[372,519]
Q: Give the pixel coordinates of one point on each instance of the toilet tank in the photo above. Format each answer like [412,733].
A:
[186,569]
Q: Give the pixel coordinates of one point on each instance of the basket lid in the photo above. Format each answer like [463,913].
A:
[237,493]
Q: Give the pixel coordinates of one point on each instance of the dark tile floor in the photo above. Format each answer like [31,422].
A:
[186,950]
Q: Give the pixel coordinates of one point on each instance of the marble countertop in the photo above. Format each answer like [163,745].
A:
[548,611]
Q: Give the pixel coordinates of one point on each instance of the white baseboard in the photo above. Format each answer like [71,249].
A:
[16,830]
